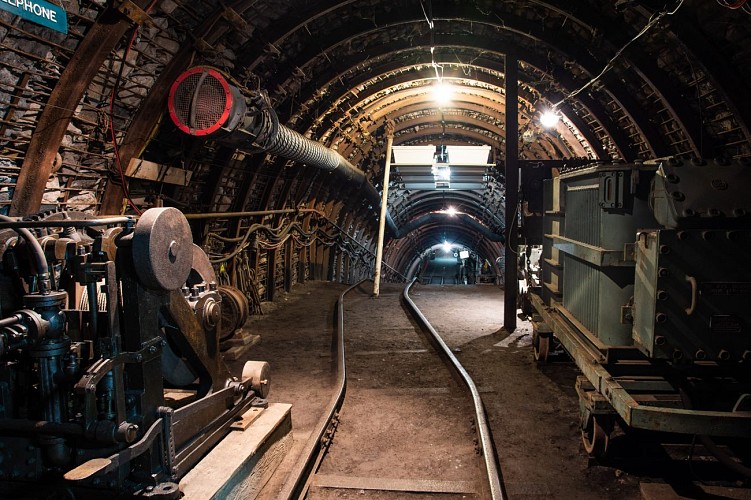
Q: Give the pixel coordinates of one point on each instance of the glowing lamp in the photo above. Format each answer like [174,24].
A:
[549,119]
[442,93]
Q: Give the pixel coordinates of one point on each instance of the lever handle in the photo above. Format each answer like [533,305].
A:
[694,289]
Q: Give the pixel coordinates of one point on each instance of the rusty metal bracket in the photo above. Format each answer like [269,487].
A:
[203,46]
[629,252]
[133,12]
[237,21]
[101,466]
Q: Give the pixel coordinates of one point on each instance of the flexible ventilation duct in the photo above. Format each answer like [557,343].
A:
[203,103]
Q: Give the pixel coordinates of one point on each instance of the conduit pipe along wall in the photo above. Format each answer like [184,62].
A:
[204,103]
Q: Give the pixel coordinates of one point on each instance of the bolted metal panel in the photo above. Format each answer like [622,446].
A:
[691,296]
[692,286]
[702,194]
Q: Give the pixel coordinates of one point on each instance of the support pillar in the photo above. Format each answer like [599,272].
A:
[512,191]
[384,209]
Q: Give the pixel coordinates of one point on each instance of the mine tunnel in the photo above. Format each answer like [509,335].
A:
[384,249]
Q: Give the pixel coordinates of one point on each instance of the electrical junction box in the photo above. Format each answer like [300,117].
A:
[603,208]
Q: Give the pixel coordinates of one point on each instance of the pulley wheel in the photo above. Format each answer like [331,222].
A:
[235,310]
[163,249]
[258,372]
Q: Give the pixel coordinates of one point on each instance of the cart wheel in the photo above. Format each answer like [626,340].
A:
[596,436]
[541,347]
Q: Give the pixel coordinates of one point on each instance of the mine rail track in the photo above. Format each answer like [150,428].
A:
[303,474]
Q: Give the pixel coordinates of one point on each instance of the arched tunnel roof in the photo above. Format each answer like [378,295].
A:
[631,80]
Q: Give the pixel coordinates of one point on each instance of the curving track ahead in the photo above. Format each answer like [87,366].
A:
[437,381]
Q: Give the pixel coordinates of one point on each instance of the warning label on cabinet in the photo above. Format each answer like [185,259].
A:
[725,323]
[726,288]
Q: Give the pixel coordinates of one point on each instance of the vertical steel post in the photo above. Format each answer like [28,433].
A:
[512,191]
[384,208]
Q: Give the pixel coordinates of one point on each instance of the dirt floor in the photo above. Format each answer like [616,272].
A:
[533,410]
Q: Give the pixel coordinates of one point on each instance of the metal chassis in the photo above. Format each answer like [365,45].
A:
[635,387]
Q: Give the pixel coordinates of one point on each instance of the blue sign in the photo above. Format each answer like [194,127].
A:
[40,12]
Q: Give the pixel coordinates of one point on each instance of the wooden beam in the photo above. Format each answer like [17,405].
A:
[100,41]
[146,119]
[143,169]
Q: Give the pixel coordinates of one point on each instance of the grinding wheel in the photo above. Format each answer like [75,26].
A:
[258,372]
[163,249]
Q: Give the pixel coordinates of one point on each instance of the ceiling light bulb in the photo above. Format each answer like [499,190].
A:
[446,246]
[451,211]
[442,93]
[549,119]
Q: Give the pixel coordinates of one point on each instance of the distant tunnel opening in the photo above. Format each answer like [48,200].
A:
[456,264]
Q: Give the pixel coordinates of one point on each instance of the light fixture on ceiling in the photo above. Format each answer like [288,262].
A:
[549,118]
[451,211]
[442,93]
[441,172]
[446,246]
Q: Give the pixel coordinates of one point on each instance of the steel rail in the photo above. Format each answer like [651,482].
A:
[484,436]
[298,481]
[297,484]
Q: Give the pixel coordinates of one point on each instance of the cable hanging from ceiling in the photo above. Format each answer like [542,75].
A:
[653,20]
[431,24]
[736,4]
[442,93]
